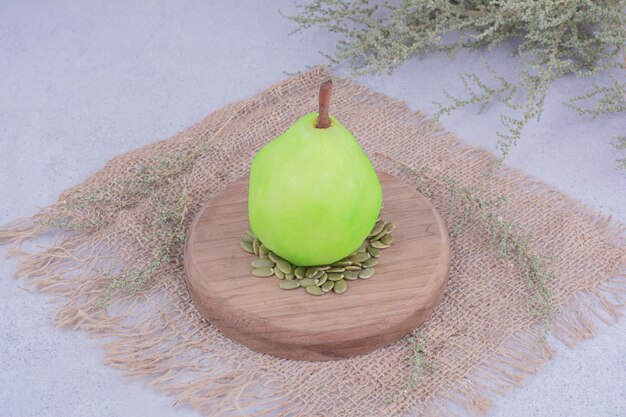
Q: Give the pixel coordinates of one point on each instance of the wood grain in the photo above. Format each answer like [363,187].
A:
[409,281]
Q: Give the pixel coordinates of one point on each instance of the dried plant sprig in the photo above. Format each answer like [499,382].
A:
[608,99]
[151,174]
[420,365]
[168,230]
[507,237]
[554,39]
[480,92]
[620,144]
[68,224]
[517,114]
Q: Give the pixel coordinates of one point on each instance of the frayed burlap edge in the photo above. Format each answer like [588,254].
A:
[59,270]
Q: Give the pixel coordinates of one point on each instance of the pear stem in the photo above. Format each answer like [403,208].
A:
[323,121]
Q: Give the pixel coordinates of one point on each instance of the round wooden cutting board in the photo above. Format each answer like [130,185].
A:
[409,281]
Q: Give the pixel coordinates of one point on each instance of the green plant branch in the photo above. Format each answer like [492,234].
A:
[168,230]
[150,175]
[420,365]
[508,238]
[620,144]
[168,226]
[609,99]
[554,39]
[67,224]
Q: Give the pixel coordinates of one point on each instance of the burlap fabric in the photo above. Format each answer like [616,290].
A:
[482,339]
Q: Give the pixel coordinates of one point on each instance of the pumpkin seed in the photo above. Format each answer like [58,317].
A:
[335,277]
[290,276]
[361,249]
[300,272]
[366,273]
[353,268]
[327,286]
[279,274]
[341,263]
[289,285]
[274,257]
[313,290]
[323,268]
[375,252]
[284,266]
[389,227]
[387,239]
[318,274]
[247,246]
[349,275]
[321,280]
[310,271]
[378,227]
[378,236]
[379,245]
[360,257]
[305,282]
[247,238]
[262,263]
[336,269]
[263,272]
[371,262]
[340,286]
[252,235]
[255,246]
[263,250]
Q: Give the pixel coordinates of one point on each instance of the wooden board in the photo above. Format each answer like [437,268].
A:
[409,281]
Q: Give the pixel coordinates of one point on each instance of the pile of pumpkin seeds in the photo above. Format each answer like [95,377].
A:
[321,279]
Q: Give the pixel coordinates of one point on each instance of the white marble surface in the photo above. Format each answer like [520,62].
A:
[82,81]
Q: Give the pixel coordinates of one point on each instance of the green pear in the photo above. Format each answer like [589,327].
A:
[314,195]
